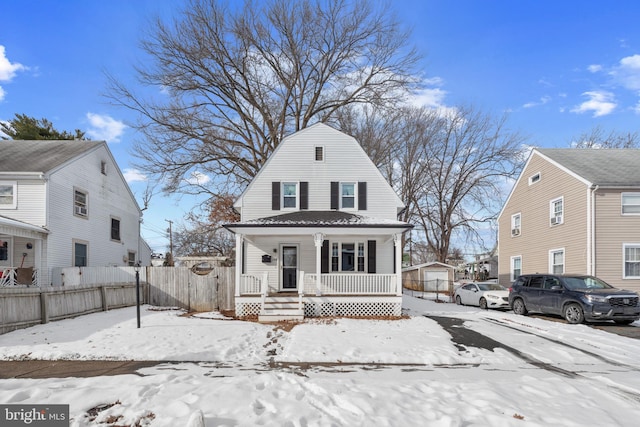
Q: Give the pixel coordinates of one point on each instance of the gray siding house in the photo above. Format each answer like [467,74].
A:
[574,211]
[64,204]
[318,234]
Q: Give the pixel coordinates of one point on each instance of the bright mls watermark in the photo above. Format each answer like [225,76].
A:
[34,415]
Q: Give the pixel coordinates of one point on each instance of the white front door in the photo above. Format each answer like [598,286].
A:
[289,264]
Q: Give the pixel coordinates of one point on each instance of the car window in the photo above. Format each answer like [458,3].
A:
[491,287]
[536,282]
[550,282]
[469,287]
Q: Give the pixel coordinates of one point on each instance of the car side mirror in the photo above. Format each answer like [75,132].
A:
[556,288]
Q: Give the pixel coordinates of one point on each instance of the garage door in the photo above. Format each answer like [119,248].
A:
[436,280]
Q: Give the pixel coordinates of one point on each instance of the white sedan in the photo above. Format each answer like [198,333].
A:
[483,295]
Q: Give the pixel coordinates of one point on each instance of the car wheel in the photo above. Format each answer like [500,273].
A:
[624,322]
[573,313]
[519,307]
[483,304]
[458,300]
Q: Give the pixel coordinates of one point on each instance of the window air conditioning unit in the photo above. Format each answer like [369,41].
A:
[81,210]
[556,220]
[515,232]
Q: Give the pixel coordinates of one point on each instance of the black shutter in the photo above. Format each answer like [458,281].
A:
[304,195]
[362,196]
[324,263]
[335,195]
[371,256]
[275,196]
[244,257]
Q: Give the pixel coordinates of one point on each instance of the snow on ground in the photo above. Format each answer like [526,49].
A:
[362,372]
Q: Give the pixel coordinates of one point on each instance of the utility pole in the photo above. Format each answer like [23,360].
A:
[170,240]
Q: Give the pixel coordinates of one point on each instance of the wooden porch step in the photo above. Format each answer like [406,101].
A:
[277,309]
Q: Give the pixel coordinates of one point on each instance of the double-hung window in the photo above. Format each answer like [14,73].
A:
[290,195]
[115,229]
[80,203]
[516,267]
[348,195]
[80,253]
[8,194]
[515,224]
[556,211]
[630,203]
[631,261]
[556,261]
[348,256]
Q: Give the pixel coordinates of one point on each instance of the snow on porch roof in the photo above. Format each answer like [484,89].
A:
[321,219]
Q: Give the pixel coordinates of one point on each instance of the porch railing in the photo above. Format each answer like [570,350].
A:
[332,284]
[15,276]
[351,284]
[250,284]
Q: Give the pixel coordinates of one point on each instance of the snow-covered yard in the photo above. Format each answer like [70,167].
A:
[341,372]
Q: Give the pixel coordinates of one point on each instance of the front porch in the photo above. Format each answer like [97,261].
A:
[22,249]
[333,294]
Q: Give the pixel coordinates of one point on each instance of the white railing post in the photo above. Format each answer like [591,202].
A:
[397,241]
[301,290]
[264,289]
[318,239]
[239,257]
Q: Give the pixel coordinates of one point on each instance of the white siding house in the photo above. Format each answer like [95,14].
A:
[319,232]
[62,204]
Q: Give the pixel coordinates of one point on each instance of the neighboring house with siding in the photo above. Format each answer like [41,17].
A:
[63,204]
[574,211]
[318,234]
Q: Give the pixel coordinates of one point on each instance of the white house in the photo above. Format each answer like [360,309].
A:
[63,204]
[318,234]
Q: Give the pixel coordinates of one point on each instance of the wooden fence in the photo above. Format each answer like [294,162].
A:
[83,290]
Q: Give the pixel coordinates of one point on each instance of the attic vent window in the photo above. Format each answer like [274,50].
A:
[319,154]
[534,178]
[103,167]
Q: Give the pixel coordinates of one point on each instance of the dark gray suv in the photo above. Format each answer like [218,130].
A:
[575,297]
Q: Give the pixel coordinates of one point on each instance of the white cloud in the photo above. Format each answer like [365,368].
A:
[627,73]
[594,68]
[104,128]
[600,102]
[134,175]
[7,70]
[197,178]
[542,101]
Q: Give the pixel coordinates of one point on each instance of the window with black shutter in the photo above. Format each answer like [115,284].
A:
[362,196]
[371,256]
[275,196]
[335,195]
[304,195]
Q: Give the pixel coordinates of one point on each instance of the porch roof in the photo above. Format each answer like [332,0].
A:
[324,220]
[12,226]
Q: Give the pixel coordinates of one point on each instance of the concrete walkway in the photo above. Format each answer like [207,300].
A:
[70,368]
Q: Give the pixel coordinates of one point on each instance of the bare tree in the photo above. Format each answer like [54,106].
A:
[599,138]
[451,171]
[233,80]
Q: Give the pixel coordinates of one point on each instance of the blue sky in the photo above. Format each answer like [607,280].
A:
[557,68]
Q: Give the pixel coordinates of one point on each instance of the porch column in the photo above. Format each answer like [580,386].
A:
[37,263]
[239,258]
[397,241]
[318,239]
